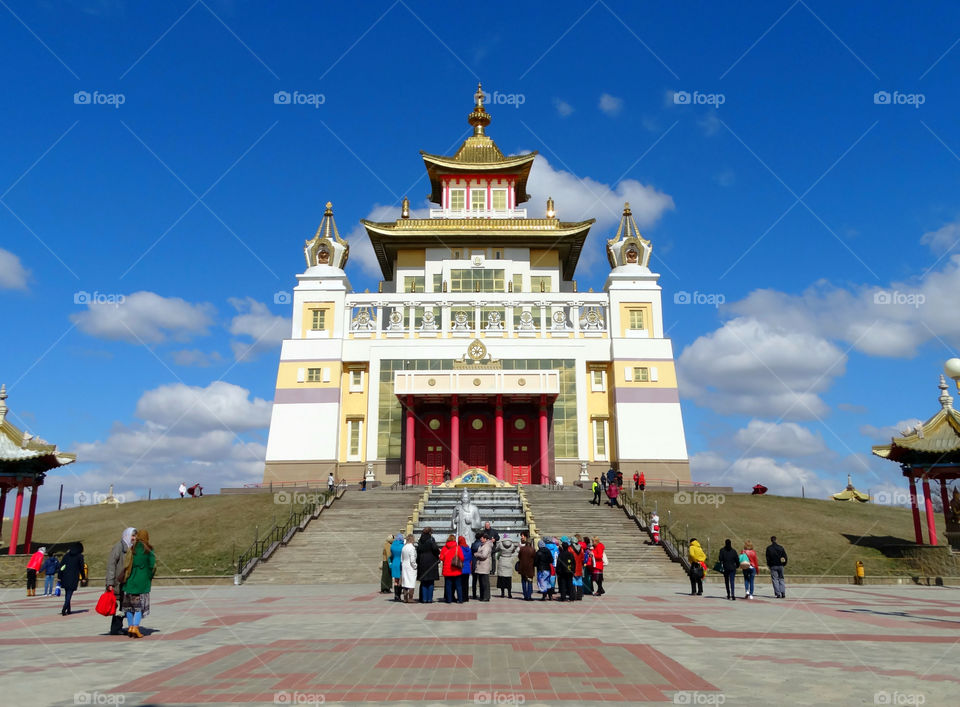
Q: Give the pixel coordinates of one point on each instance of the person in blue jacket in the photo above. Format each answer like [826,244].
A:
[50,566]
[467,568]
[395,549]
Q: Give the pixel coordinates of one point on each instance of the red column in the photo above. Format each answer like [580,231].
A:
[544,473]
[455,438]
[498,430]
[915,508]
[3,505]
[30,515]
[410,448]
[15,528]
[928,504]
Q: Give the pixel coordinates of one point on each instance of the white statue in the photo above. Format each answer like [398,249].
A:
[465,520]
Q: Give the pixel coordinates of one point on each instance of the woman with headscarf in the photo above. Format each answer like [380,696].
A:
[451,557]
[385,576]
[114,577]
[395,569]
[33,566]
[566,565]
[71,569]
[543,563]
[507,552]
[428,568]
[408,569]
[138,577]
[577,549]
[598,564]
[553,545]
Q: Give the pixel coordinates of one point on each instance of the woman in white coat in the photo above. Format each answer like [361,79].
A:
[408,569]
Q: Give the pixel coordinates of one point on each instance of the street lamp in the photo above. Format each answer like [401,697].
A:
[952,369]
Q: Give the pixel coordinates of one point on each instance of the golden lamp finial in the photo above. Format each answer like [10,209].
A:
[479,118]
[626,208]
[329,210]
[551,212]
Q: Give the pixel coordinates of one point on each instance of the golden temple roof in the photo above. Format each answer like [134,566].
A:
[935,441]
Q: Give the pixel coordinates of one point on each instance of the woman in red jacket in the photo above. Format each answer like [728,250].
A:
[598,549]
[451,574]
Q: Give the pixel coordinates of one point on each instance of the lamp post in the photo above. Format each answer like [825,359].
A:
[952,369]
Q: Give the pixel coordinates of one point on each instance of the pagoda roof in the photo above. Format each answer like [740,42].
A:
[389,237]
[24,453]
[936,441]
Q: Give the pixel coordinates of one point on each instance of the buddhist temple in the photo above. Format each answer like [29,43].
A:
[850,493]
[478,351]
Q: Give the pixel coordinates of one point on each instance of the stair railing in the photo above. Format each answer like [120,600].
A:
[674,546]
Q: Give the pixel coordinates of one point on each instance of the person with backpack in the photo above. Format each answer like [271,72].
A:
[451,557]
[71,569]
[776,558]
[566,566]
[698,567]
[729,561]
[50,572]
[750,567]
[596,491]
[466,570]
[428,569]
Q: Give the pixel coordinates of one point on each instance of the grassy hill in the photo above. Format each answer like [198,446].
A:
[821,537]
[202,535]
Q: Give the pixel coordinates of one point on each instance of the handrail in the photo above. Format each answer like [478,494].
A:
[281,534]
[673,545]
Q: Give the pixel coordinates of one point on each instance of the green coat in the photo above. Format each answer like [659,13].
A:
[141,571]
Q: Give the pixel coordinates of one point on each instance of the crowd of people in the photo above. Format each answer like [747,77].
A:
[729,562]
[563,568]
[611,484]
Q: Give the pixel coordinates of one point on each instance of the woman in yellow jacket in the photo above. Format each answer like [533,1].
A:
[698,567]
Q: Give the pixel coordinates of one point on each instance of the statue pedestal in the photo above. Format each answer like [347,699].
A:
[584,474]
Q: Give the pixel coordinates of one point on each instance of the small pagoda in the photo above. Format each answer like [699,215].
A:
[24,462]
[930,451]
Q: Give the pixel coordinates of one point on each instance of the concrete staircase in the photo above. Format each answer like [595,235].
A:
[568,511]
[502,507]
[343,545]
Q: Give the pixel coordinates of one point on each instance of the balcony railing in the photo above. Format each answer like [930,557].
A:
[467,315]
[463,213]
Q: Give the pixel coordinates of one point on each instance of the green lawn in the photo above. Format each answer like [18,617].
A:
[202,535]
[821,537]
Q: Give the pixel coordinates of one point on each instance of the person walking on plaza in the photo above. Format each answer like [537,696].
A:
[596,491]
[566,565]
[451,557]
[553,546]
[141,565]
[408,569]
[396,547]
[543,563]
[466,570]
[526,566]
[750,566]
[114,574]
[428,567]
[577,549]
[698,566]
[612,492]
[604,480]
[506,559]
[599,562]
[729,560]
[386,578]
[587,566]
[49,568]
[483,565]
[776,558]
[34,565]
[71,569]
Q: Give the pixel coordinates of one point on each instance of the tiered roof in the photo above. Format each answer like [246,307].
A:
[21,452]
[936,441]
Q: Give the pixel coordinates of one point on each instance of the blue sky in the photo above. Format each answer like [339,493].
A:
[802,200]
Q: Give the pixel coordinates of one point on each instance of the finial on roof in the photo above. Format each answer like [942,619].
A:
[479,118]
[946,402]
[405,208]
[551,212]
[3,401]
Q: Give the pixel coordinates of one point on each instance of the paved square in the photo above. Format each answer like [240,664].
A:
[345,644]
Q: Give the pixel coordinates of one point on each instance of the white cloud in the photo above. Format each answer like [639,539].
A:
[13,276]
[755,368]
[195,357]
[883,435]
[781,478]
[220,405]
[563,108]
[611,105]
[785,439]
[145,317]
[254,320]
[944,239]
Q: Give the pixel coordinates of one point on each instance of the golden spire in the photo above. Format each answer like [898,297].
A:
[479,118]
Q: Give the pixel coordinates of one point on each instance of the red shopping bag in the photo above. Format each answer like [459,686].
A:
[107,604]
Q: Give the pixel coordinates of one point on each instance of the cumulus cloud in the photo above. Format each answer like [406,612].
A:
[611,105]
[756,368]
[220,405]
[944,239]
[785,439]
[254,320]
[13,276]
[563,108]
[883,435]
[781,478]
[144,317]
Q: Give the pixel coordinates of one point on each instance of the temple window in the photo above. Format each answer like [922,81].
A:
[636,319]
[413,283]
[314,375]
[598,380]
[458,199]
[354,429]
[599,440]
[319,319]
[641,374]
[474,280]
[499,197]
[540,283]
[437,279]
[478,199]
[518,282]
